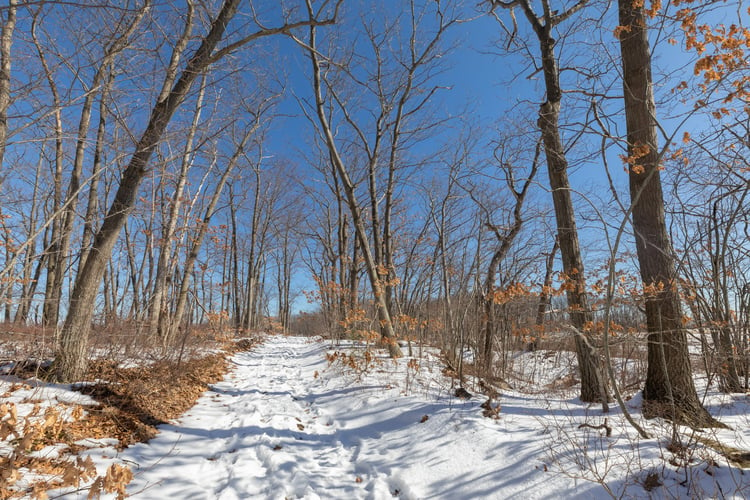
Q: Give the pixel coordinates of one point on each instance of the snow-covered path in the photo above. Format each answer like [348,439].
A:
[285,423]
[257,434]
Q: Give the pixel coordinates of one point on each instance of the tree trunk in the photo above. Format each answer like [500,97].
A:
[6,42]
[384,318]
[593,385]
[71,360]
[158,307]
[669,391]
[544,295]
[171,330]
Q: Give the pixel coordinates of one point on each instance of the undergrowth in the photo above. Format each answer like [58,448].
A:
[39,451]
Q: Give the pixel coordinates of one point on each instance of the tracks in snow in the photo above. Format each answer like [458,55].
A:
[269,430]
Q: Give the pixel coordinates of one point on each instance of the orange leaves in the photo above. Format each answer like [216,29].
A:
[8,420]
[723,54]
[509,293]
[115,481]
[654,9]
[359,363]
[650,12]
[620,31]
[720,113]
[598,327]
[37,430]
[638,153]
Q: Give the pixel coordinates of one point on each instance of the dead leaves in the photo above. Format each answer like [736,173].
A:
[114,481]
[132,403]
[39,429]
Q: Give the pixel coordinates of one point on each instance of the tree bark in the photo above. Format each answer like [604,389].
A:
[6,42]
[669,391]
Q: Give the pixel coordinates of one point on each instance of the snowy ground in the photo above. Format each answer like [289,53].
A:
[287,423]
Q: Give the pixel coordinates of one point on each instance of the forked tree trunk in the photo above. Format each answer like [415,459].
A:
[669,391]
[376,280]
[505,240]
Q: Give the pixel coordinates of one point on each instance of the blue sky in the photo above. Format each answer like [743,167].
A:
[494,87]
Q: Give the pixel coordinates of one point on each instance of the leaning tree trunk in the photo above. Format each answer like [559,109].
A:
[376,279]
[669,391]
[71,361]
[593,386]
[169,333]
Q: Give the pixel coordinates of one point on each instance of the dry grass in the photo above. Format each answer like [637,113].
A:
[132,402]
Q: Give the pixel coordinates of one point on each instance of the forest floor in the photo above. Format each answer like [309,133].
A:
[299,418]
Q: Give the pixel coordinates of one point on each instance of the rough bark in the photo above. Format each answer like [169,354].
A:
[669,391]
[6,42]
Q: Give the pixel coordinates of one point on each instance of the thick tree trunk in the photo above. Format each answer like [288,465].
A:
[593,385]
[669,391]
[6,42]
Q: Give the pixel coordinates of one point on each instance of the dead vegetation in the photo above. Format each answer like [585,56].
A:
[131,403]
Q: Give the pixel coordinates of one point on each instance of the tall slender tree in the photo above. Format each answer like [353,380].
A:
[593,384]
[71,359]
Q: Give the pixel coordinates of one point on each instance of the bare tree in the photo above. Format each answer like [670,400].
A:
[61,240]
[399,92]
[71,360]
[505,236]
[158,304]
[593,384]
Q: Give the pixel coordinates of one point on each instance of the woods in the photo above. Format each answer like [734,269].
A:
[316,168]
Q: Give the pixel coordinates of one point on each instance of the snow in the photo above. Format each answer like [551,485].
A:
[287,423]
